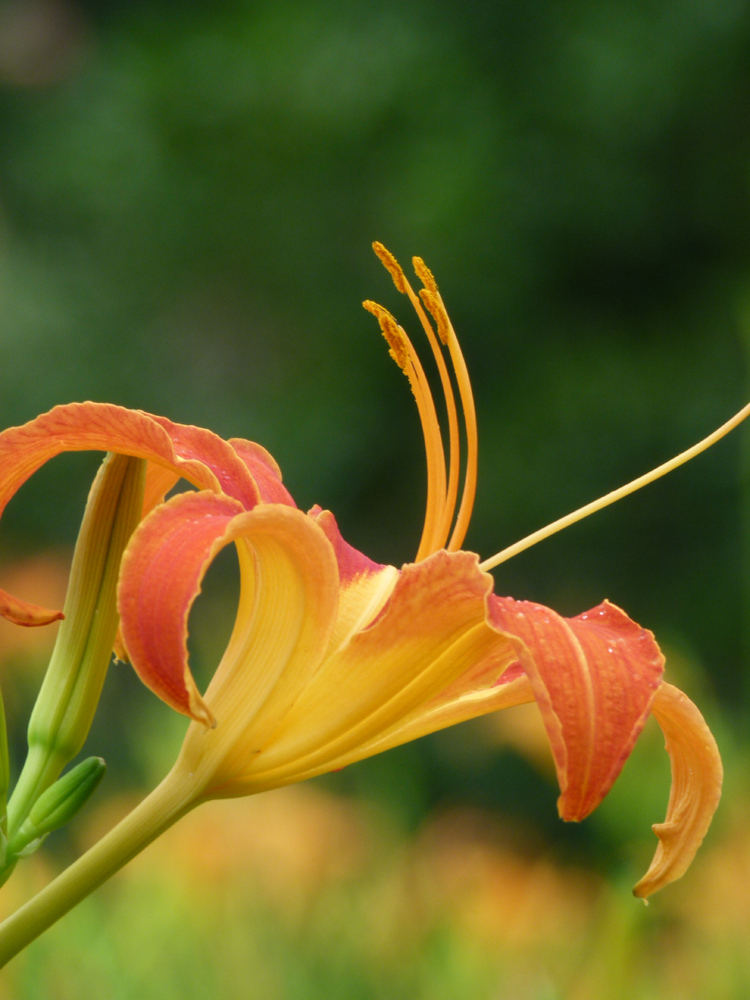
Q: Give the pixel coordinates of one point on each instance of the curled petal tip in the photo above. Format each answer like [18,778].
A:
[28,615]
[696,788]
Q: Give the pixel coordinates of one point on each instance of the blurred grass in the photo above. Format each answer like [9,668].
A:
[301,894]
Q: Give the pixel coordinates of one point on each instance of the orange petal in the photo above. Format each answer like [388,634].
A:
[196,454]
[264,470]
[353,564]
[160,577]
[22,613]
[431,631]
[594,678]
[696,788]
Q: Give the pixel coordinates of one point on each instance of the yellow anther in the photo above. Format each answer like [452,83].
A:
[392,332]
[424,274]
[391,265]
[434,305]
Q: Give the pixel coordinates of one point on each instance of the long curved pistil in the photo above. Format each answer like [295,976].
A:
[615,495]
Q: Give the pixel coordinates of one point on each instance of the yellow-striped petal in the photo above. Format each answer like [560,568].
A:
[696,788]
[432,631]
[365,586]
[457,704]
[287,612]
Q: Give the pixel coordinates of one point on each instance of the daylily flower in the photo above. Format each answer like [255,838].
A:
[334,657]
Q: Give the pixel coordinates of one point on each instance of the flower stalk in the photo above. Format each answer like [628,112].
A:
[155,814]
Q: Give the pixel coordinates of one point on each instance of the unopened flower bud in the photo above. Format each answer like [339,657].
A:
[70,692]
[57,805]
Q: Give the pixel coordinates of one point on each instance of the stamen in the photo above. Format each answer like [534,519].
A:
[403,353]
[391,265]
[441,518]
[392,333]
[618,494]
[449,509]
[434,302]
[472,444]
[438,313]
[424,274]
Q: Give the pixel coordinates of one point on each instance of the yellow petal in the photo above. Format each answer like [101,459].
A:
[287,610]
[456,704]
[432,631]
[696,788]
[365,586]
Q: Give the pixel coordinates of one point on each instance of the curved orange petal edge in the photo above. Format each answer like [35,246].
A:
[696,788]
[594,678]
[178,450]
[160,578]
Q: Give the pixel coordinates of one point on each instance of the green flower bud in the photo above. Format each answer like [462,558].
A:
[70,692]
[57,805]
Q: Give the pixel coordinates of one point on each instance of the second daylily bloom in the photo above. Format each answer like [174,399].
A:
[334,657]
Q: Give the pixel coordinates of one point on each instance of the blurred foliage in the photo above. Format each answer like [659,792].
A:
[187,199]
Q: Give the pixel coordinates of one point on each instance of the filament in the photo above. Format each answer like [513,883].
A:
[623,491]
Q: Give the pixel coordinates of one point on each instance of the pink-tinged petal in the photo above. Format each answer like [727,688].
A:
[432,631]
[594,679]
[287,606]
[197,449]
[696,788]
[22,613]
[160,578]
[264,470]
[365,585]
[352,563]
[198,455]
[159,481]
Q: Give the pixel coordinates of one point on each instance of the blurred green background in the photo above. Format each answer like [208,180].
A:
[187,200]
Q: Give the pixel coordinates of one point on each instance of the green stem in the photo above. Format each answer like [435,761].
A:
[174,797]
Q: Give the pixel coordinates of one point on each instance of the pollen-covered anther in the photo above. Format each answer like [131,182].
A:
[392,332]
[425,275]
[391,265]
[434,305]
